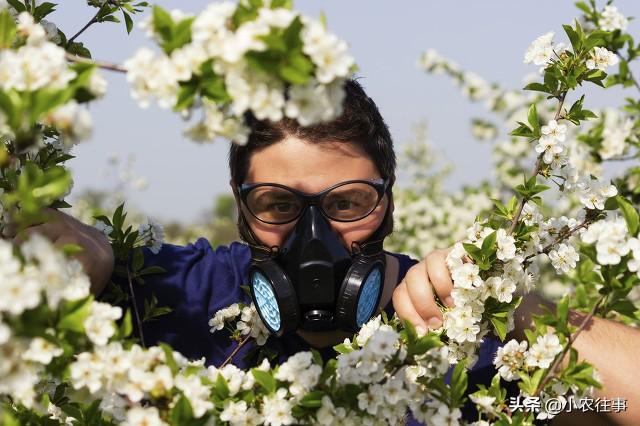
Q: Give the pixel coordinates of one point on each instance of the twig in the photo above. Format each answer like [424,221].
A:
[88,24]
[631,76]
[570,342]
[104,65]
[516,218]
[235,351]
[560,238]
[627,158]
[135,310]
[536,169]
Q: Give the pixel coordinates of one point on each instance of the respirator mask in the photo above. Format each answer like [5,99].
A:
[312,281]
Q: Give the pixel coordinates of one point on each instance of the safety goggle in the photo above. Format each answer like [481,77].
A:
[347,201]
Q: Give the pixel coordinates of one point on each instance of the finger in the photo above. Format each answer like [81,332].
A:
[440,276]
[405,309]
[421,295]
[51,231]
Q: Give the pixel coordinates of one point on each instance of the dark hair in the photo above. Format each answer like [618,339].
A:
[360,123]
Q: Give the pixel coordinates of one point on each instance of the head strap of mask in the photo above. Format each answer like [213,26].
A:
[346,302]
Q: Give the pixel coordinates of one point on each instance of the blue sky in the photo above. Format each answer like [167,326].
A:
[386,38]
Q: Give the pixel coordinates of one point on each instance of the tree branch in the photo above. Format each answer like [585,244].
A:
[135,310]
[235,351]
[88,24]
[104,65]
[572,339]
[560,238]
[536,169]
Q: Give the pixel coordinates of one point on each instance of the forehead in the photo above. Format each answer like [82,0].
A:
[309,166]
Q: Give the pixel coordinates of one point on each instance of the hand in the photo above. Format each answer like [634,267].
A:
[96,257]
[414,298]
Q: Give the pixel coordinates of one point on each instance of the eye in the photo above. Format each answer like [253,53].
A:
[343,204]
[281,207]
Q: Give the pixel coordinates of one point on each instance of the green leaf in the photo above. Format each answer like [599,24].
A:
[286,4]
[180,36]
[626,308]
[7,419]
[186,96]
[312,400]
[595,38]
[583,6]
[317,358]
[562,315]
[138,259]
[489,244]
[43,10]
[7,29]
[45,100]
[574,37]
[529,384]
[181,412]
[630,214]
[424,344]
[151,270]
[264,379]
[532,118]
[126,326]
[169,359]
[74,313]
[152,310]
[221,388]
[162,22]
[342,348]
[459,383]
[536,87]
[17,5]
[522,130]
[118,217]
[128,21]
[72,249]
[500,327]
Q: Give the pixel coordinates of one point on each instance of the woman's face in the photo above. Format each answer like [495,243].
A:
[311,168]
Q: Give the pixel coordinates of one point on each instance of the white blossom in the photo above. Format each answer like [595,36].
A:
[99,325]
[71,119]
[42,351]
[543,351]
[564,258]
[196,392]
[152,235]
[33,67]
[611,19]
[601,58]
[276,409]
[445,416]
[103,227]
[467,276]
[506,245]
[139,416]
[226,314]
[540,51]
[596,193]
[509,359]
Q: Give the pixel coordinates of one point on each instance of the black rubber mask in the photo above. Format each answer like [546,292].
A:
[314,282]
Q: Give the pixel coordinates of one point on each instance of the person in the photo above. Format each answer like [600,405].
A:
[289,182]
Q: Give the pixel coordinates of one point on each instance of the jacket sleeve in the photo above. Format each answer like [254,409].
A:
[197,282]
